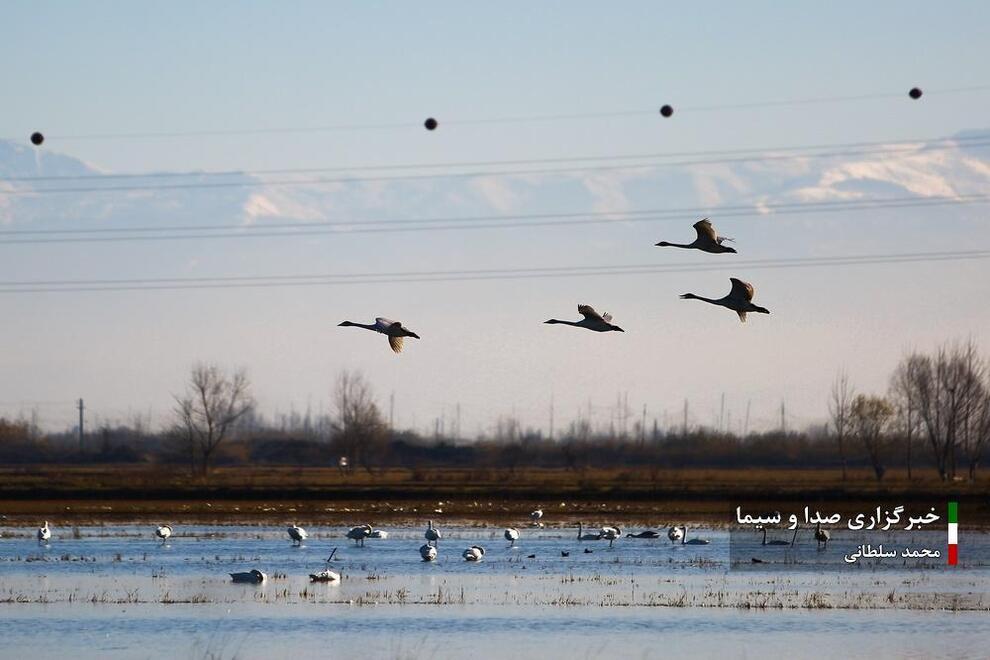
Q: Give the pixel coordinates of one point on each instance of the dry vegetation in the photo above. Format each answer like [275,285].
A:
[704,494]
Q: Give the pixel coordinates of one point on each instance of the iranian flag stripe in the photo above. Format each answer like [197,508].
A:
[953,533]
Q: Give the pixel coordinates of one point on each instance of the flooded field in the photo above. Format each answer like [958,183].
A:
[116,591]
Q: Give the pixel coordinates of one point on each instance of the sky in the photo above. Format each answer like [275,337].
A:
[89,74]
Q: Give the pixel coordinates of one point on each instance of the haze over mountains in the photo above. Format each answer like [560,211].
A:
[903,169]
[861,318]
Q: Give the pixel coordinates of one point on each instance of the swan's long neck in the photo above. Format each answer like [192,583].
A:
[677,245]
[684,538]
[574,323]
[764,536]
[691,296]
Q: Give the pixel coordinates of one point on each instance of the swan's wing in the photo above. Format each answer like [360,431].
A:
[395,343]
[740,289]
[383,323]
[607,317]
[588,312]
[706,231]
[742,316]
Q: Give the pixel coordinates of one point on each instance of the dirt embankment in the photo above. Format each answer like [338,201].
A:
[108,493]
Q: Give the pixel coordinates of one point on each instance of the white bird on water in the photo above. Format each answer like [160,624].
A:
[739,299]
[610,533]
[163,532]
[474,553]
[392,329]
[360,533]
[427,552]
[326,575]
[44,533]
[254,576]
[675,534]
[535,517]
[378,534]
[707,240]
[297,534]
[432,534]
[592,320]
[822,536]
[511,535]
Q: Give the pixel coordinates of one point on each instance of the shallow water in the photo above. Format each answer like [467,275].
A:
[116,591]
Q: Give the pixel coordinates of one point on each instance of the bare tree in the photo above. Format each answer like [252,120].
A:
[869,420]
[974,395]
[947,390]
[903,396]
[981,429]
[360,432]
[507,429]
[839,404]
[213,403]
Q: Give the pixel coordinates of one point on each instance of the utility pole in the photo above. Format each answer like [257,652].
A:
[81,428]
[685,416]
[457,431]
[749,404]
[551,417]
[721,415]
[625,413]
[391,411]
[642,429]
[783,420]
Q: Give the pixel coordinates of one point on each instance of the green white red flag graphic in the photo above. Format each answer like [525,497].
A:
[953,533]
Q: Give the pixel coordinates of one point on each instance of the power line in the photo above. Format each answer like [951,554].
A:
[509,119]
[887,145]
[258,281]
[830,99]
[457,175]
[147,233]
[465,175]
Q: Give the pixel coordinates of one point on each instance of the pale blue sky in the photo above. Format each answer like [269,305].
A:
[98,67]
[108,67]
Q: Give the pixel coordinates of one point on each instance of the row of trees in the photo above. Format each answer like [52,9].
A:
[215,402]
[934,415]
[940,400]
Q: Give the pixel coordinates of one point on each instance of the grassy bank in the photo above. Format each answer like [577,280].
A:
[115,491]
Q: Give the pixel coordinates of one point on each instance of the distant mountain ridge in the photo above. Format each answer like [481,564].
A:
[961,170]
